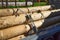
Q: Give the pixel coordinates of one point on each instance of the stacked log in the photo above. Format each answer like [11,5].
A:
[13,20]
[12,27]
[9,12]
[9,21]
[17,30]
[14,31]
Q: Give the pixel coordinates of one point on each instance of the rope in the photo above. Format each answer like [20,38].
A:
[32,25]
[42,16]
[28,17]
[15,12]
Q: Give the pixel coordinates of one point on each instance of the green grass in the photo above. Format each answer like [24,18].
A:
[40,4]
[22,0]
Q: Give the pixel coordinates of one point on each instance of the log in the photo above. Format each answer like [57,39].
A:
[18,37]
[17,3]
[7,12]
[17,30]
[13,20]
[9,21]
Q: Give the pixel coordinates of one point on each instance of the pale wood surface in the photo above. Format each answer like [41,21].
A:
[13,20]
[17,30]
[7,12]
[20,29]
[17,37]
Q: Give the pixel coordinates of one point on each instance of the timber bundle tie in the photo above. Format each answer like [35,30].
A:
[15,13]
[32,25]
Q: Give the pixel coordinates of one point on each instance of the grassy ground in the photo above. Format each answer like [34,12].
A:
[21,0]
[40,4]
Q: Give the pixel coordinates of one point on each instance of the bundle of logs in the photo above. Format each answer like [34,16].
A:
[14,24]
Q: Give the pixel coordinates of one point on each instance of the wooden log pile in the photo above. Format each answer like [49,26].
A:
[14,27]
[9,12]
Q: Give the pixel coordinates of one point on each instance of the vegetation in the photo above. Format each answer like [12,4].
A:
[40,4]
[22,0]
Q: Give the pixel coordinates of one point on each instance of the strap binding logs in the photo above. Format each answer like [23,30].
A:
[15,12]
[32,25]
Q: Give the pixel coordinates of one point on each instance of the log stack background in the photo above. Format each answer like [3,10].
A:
[14,27]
